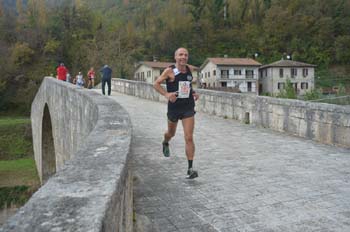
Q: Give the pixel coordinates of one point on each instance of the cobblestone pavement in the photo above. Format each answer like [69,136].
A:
[250,179]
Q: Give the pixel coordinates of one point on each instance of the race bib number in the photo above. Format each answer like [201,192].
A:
[184,89]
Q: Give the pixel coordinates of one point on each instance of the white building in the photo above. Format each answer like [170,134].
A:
[149,71]
[273,77]
[238,73]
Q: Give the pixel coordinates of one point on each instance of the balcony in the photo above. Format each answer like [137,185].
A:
[250,77]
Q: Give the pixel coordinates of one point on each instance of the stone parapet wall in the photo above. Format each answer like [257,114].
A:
[325,123]
[89,186]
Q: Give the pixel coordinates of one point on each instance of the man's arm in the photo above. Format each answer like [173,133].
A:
[194,93]
[194,78]
[157,85]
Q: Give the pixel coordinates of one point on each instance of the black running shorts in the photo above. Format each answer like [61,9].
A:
[175,116]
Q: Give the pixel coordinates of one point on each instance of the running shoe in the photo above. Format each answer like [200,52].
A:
[191,174]
[166,150]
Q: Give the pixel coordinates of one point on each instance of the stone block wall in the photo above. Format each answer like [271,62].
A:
[325,123]
[87,138]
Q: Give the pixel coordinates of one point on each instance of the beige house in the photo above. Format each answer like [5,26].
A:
[273,77]
[238,73]
[149,71]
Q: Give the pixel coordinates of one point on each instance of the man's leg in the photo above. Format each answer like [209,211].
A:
[103,86]
[109,87]
[188,126]
[167,136]
[171,131]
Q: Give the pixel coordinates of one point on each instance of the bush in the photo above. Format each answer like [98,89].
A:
[288,91]
[17,195]
[313,94]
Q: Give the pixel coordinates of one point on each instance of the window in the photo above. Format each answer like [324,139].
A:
[305,72]
[148,73]
[280,85]
[214,73]
[295,85]
[249,86]
[224,73]
[249,74]
[281,72]
[304,85]
[208,74]
[223,84]
[238,72]
[205,75]
[265,73]
[293,72]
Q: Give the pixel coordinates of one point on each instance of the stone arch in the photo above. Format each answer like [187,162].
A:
[48,155]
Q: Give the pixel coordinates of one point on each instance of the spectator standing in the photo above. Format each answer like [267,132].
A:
[91,78]
[106,78]
[79,80]
[62,72]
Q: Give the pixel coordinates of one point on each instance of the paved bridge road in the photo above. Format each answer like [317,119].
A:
[250,179]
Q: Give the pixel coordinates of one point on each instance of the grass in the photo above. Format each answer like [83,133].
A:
[15,138]
[7,121]
[18,172]
[18,175]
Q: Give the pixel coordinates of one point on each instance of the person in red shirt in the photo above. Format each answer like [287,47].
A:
[91,77]
[62,72]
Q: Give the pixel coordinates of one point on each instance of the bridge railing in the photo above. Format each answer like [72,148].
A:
[81,145]
[325,123]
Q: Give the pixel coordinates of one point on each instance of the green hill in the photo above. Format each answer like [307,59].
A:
[121,32]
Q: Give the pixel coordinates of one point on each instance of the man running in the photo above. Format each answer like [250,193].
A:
[181,98]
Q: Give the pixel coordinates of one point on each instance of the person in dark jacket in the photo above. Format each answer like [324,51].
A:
[106,78]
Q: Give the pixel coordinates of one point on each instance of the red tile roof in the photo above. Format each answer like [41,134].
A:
[288,63]
[233,61]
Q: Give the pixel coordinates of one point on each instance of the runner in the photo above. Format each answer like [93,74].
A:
[91,77]
[181,102]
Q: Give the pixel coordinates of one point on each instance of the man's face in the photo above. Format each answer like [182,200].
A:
[181,56]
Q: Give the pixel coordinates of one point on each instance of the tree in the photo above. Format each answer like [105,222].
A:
[22,54]
[342,49]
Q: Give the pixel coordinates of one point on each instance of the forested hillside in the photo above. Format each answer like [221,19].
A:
[37,34]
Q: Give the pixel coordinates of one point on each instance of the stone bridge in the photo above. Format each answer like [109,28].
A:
[265,164]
